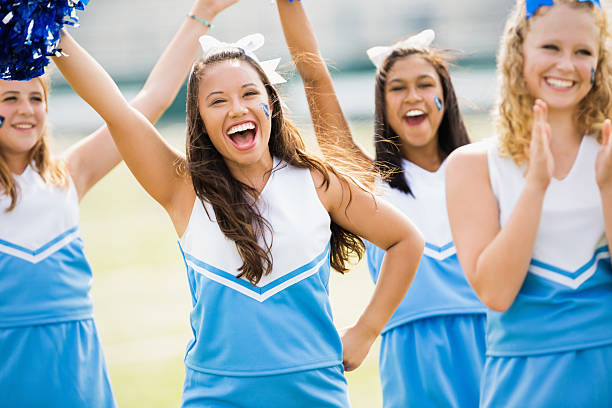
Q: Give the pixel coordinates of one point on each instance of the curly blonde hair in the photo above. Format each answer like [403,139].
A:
[514,116]
[52,171]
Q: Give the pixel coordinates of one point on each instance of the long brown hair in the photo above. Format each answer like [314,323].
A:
[514,116]
[451,132]
[232,200]
[52,171]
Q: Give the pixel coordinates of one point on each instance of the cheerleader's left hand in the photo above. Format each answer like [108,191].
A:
[603,163]
[356,343]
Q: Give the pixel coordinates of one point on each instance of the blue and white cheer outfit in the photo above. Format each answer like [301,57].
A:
[50,352]
[553,346]
[433,348]
[273,344]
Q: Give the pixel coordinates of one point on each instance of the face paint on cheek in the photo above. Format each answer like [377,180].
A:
[265,109]
[1,120]
[592,75]
[438,103]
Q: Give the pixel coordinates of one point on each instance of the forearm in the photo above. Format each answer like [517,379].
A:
[397,272]
[331,128]
[502,266]
[302,42]
[90,81]
[170,71]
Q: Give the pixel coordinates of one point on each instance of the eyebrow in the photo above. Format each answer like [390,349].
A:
[423,76]
[221,92]
[36,93]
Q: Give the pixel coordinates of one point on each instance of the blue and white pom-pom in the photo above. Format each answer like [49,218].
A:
[30,32]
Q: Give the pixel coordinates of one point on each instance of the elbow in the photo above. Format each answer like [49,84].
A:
[151,104]
[496,304]
[490,291]
[493,298]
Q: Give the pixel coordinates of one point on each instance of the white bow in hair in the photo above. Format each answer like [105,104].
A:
[210,45]
[420,42]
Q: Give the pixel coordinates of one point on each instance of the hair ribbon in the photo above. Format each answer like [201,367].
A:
[250,43]
[533,5]
[420,42]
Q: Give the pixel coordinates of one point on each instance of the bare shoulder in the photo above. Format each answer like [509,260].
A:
[330,191]
[474,154]
[468,161]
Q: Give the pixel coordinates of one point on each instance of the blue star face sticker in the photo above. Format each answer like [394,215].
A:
[438,103]
[1,121]
[592,75]
[265,109]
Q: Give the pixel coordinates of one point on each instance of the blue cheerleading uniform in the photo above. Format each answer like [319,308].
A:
[49,346]
[273,344]
[432,349]
[553,346]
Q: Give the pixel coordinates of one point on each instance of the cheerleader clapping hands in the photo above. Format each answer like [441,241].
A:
[538,256]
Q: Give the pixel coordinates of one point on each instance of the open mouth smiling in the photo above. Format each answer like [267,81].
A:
[243,135]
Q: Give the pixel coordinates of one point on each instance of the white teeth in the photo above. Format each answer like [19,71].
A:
[414,112]
[559,83]
[24,126]
[241,128]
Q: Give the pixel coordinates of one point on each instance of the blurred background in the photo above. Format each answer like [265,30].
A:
[141,297]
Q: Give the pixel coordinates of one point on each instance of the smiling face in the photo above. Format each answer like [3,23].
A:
[23,106]
[560,50]
[411,108]
[234,107]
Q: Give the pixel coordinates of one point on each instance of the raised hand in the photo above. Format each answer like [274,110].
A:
[208,9]
[541,161]
[603,163]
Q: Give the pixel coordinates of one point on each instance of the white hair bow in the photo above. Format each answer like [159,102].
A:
[420,42]
[210,45]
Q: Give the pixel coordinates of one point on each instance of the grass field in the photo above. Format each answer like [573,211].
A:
[141,297]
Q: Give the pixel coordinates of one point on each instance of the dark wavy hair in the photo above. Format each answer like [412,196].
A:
[232,200]
[451,132]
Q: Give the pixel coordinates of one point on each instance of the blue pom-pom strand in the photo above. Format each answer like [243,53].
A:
[30,32]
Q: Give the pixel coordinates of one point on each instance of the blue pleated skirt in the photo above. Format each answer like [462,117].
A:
[575,379]
[54,365]
[434,362]
[320,388]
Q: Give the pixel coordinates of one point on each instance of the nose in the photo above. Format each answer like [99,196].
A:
[237,108]
[25,107]
[413,95]
[565,63]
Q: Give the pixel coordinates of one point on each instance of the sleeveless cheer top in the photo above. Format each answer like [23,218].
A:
[284,323]
[565,302]
[440,286]
[44,275]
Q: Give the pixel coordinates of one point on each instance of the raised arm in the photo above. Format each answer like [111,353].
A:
[93,157]
[496,260]
[146,153]
[330,125]
[380,223]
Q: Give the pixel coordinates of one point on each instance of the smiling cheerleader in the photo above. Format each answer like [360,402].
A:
[260,223]
[531,212]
